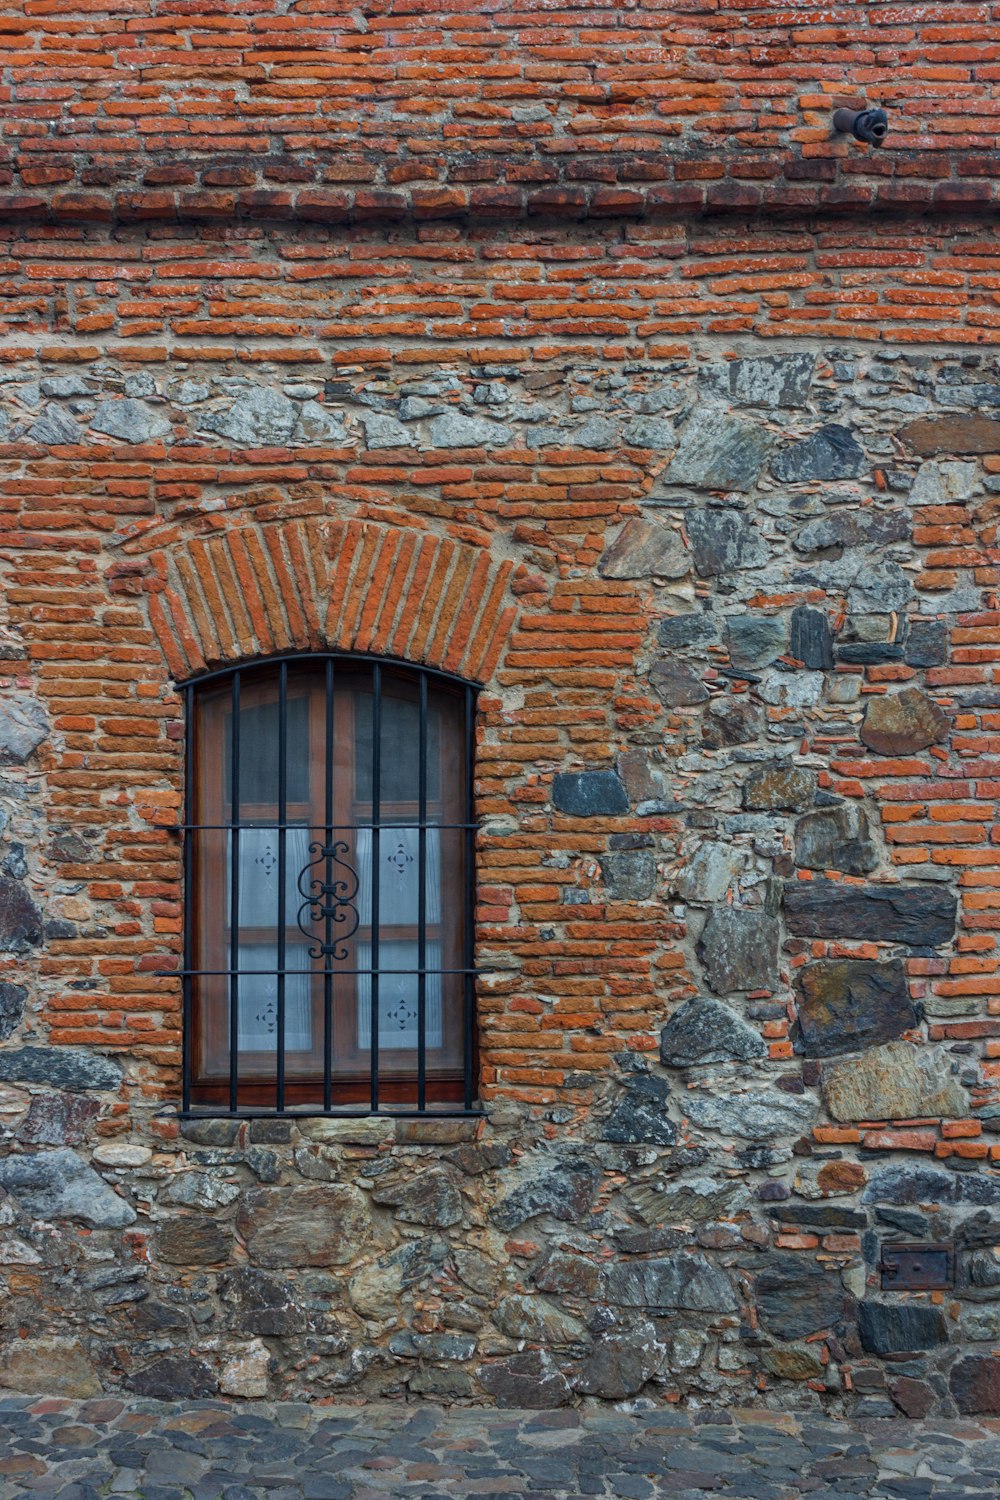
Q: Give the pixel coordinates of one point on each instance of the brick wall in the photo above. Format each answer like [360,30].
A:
[703,493]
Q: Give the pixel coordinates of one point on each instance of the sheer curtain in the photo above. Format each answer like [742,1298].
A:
[399,898]
[258,944]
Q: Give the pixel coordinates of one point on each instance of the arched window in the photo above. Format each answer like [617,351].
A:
[328,887]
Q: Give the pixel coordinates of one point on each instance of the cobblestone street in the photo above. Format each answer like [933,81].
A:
[203,1450]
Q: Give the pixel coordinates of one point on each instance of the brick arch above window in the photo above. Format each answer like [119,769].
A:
[318,583]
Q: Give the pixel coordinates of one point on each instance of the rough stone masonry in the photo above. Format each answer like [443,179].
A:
[568,352]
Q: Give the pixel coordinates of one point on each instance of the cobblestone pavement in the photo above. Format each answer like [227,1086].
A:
[201,1450]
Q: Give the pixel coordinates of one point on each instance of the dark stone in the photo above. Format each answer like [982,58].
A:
[704,1030]
[175,1377]
[565,1187]
[796,1297]
[60,1067]
[847,1004]
[975,1382]
[778,786]
[719,452]
[676,684]
[61,1185]
[904,722]
[621,1363]
[20,919]
[849,528]
[12,998]
[261,1305]
[682,1282]
[724,540]
[732,721]
[210,1132]
[869,653]
[921,916]
[410,1345]
[835,838]
[738,949]
[919,1184]
[915,1398]
[827,1216]
[56,1120]
[772,380]
[953,434]
[812,640]
[589,794]
[696,629]
[629,876]
[528,1380]
[756,640]
[194,1240]
[304,1226]
[70,847]
[478,1157]
[927,643]
[831,453]
[429,1198]
[641,1113]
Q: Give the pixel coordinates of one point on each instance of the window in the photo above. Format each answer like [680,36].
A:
[328,887]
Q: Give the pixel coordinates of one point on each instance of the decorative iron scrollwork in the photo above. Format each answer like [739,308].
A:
[329,898]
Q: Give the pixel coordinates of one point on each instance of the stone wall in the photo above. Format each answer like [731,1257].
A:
[733,603]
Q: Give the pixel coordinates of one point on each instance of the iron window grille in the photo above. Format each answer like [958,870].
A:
[328,861]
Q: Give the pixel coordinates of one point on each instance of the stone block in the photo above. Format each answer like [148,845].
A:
[175,1377]
[676,684]
[130,421]
[629,875]
[902,723]
[921,916]
[738,949]
[194,1240]
[528,1380]
[304,1226]
[703,1031]
[669,1283]
[59,1184]
[48,1367]
[811,638]
[12,998]
[779,786]
[621,1363]
[70,1068]
[833,452]
[23,726]
[756,640]
[732,721]
[20,919]
[640,1113]
[589,794]
[847,1004]
[546,1183]
[753,1116]
[645,549]
[725,541]
[974,1383]
[898,1081]
[796,1296]
[952,434]
[772,380]
[835,838]
[899,1327]
[699,628]
[718,451]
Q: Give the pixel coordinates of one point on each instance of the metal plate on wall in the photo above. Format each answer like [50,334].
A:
[916,1266]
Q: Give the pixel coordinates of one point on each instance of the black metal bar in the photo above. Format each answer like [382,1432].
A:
[348,658]
[179,973]
[309,827]
[234,894]
[279,1079]
[468,893]
[376,870]
[188,898]
[208,1113]
[329,749]
[422,900]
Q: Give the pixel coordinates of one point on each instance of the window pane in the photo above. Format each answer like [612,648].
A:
[400,768]
[258,869]
[399,875]
[259,748]
[398,997]
[257,998]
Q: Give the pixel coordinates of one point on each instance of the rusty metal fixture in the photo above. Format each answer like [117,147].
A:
[916,1266]
[870,125]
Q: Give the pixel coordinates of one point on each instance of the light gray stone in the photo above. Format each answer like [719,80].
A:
[752,1116]
[54,426]
[880,587]
[260,418]
[382,431]
[774,380]
[719,451]
[710,872]
[564,1186]
[682,1282]
[898,1081]
[703,1031]
[835,838]
[317,425]
[645,549]
[942,483]
[756,640]
[538,1319]
[60,1185]
[454,430]
[200,1190]
[66,385]
[131,421]
[649,432]
[23,727]
[723,541]
[738,949]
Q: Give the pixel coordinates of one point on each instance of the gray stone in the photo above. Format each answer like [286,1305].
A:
[260,418]
[847,1004]
[57,1119]
[719,452]
[695,629]
[906,1184]
[724,540]
[261,1305]
[429,1198]
[975,1383]
[20,919]
[732,721]
[70,1068]
[597,433]
[641,1113]
[917,915]
[589,794]
[927,643]
[880,587]
[943,483]
[902,723]
[207,1190]
[60,1185]
[645,549]
[833,452]
[649,432]
[382,431]
[54,426]
[563,1186]
[629,875]
[194,1240]
[812,640]
[895,1327]
[12,998]
[897,1081]
[738,949]
[847,528]
[756,640]
[48,1367]
[453,430]
[175,1377]
[710,871]
[797,1297]
[835,838]
[409,1345]
[773,380]
[23,727]
[778,786]
[66,385]
[697,1200]
[981,1325]
[131,421]
[752,1116]
[528,1380]
[676,684]
[304,1226]
[538,1319]
[621,1363]
[375,1291]
[703,1031]
[671,1283]
[317,425]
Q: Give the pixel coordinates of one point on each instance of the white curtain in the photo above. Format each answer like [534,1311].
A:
[258,998]
[398,996]
[399,878]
